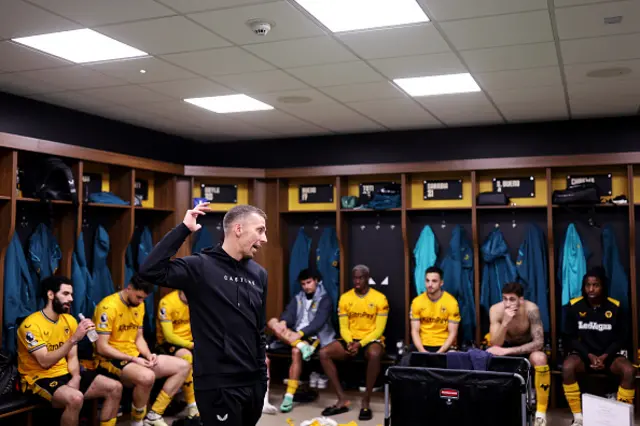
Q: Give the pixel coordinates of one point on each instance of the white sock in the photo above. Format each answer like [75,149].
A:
[288,395]
[577,417]
[541,415]
[301,345]
[136,423]
[192,405]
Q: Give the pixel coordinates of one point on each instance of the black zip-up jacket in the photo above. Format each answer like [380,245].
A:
[595,330]
[227,306]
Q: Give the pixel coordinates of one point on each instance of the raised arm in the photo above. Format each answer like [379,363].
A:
[33,339]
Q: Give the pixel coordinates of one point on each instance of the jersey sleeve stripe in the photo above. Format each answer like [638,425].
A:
[37,347]
[104,332]
[383,314]
[454,322]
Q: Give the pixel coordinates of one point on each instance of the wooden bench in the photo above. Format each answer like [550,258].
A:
[21,404]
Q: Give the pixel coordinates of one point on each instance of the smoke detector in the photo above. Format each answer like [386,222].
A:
[260,27]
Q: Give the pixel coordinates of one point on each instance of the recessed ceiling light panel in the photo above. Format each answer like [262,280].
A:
[229,104]
[352,15]
[81,46]
[438,84]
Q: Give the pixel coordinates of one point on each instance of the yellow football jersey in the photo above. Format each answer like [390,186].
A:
[362,311]
[172,309]
[435,317]
[115,317]
[37,332]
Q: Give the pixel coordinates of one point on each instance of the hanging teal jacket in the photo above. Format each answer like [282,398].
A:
[299,261]
[328,263]
[457,267]
[129,267]
[44,257]
[203,239]
[498,269]
[574,265]
[426,255]
[532,271]
[20,298]
[102,281]
[82,282]
[616,275]
[144,248]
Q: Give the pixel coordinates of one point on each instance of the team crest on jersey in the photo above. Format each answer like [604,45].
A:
[53,384]
[103,320]
[608,314]
[135,314]
[31,340]
[334,263]
[582,314]
[66,330]
[163,313]
[443,310]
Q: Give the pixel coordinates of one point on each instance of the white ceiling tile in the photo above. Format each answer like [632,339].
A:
[394,42]
[336,117]
[14,57]
[565,3]
[417,66]
[336,74]
[612,48]
[577,73]
[589,107]
[514,79]
[187,113]
[279,122]
[188,6]
[231,24]
[129,70]
[20,85]
[461,109]
[534,111]
[261,82]
[396,113]
[164,35]
[303,52]
[96,12]
[502,30]
[444,10]
[20,19]
[511,57]
[528,94]
[364,92]
[193,88]
[588,21]
[125,95]
[605,89]
[74,78]
[210,63]
[275,99]
[75,100]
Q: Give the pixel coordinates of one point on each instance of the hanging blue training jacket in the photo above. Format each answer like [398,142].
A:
[531,267]
[299,261]
[457,267]
[426,255]
[327,261]
[498,269]
[203,239]
[20,297]
[144,248]
[44,257]
[82,282]
[616,275]
[129,267]
[102,281]
[574,265]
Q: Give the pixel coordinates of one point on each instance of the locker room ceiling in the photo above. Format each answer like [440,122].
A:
[532,59]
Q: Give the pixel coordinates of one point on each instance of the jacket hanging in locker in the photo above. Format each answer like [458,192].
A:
[426,255]
[532,270]
[129,267]
[44,257]
[102,281]
[203,239]
[82,282]
[618,280]
[328,263]
[144,248]
[573,265]
[457,267]
[20,297]
[498,269]
[299,261]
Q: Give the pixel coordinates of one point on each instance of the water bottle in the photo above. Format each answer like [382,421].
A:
[91,334]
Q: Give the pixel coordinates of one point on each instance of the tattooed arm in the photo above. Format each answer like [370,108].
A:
[537,335]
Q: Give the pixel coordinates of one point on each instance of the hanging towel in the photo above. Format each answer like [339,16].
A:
[328,263]
[616,275]
[457,267]
[426,255]
[101,276]
[531,267]
[299,261]
[44,257]
[574,265]
[20,297]
[202,240]
[498,269]
[82,282]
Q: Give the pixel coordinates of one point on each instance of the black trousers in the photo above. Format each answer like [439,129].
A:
[234,406]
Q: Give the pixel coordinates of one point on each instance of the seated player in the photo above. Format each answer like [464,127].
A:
[307,318]
[595,326]
[122,352]
[48,358]
[516,330]
[173,332]
[363,314]
[435,316]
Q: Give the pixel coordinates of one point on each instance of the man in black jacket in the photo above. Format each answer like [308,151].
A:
[227,292]
[596,327]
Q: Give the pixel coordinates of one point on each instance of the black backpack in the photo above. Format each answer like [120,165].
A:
[8,377]
[48,179]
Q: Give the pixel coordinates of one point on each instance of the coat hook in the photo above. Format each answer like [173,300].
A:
[392,226]
[497,225]
[219,226]
[444,224]
[513,223]
[362,227]
[315,225]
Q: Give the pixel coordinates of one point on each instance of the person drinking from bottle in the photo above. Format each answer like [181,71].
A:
[48,358]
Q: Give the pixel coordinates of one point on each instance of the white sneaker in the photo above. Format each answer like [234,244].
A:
[313,380]
[540,421]
[576,422]
[154,419]
[323,382]
[267,408]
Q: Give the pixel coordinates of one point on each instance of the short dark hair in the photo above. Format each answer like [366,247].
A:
[239,212]
[599,273]
[139,284]
[434,270]
[513,288]
[305,274]
[53,283]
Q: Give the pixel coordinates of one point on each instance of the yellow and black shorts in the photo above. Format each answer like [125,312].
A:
[45,388]
[169,349]
[112,367]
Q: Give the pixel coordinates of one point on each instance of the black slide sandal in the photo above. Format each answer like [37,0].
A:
[365,414]
[334,411]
